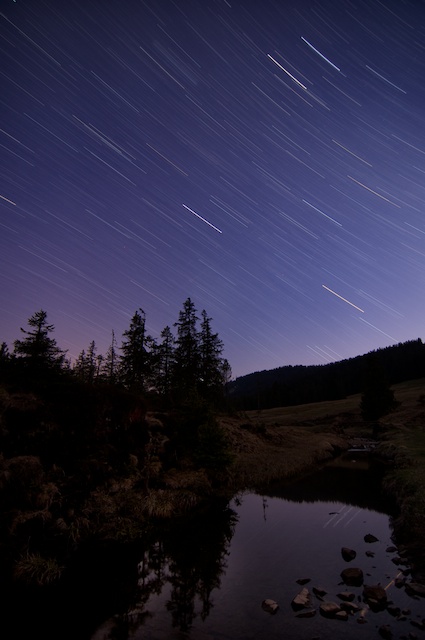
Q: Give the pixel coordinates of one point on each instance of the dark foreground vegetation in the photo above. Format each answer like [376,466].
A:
[92,454]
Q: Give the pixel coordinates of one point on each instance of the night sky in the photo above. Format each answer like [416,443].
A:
[264,158]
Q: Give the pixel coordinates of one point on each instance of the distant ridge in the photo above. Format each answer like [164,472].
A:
[299,384]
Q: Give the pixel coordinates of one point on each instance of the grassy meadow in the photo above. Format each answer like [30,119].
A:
[283,442]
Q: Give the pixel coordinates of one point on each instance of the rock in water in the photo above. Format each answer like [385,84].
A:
[329,609]
[352,576]
[370,538]
[348,554]
[303,580]
[270,606]
[341,615]
[309,613]
[320,592]
[415,589]
[385,631]
[301,600]
[375,595]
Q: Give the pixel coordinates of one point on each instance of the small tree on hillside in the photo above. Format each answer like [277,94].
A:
[378,398]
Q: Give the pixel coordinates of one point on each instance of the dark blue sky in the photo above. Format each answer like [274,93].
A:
[265,159]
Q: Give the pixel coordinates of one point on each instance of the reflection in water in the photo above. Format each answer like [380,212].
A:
[186,564]
[205,577]
[351,478]
[196,553]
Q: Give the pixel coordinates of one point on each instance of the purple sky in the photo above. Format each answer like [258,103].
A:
[265,159]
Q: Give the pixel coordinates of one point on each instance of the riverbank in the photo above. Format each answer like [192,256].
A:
[310,433]
[121,487]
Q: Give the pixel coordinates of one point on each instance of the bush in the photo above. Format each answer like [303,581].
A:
[378,398]
[212,451]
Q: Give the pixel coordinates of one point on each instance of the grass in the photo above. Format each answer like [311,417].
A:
[35,569]
[285,441]
[305,412]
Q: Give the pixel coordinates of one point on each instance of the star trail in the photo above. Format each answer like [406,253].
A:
[240,153]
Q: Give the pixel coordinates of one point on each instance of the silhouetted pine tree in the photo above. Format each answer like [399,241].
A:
[109,368]
[135,361]
[211,380]
[163,362]
[5,360]
[86,365]
[91,366]
[79,368]
[187,356]
[39,351]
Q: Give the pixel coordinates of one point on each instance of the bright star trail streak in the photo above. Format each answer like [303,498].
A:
[287,72]
[203,219]
[321,212]
[320,54]
[341,298]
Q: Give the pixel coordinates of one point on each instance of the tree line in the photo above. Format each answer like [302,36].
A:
[293,385]
[180,364]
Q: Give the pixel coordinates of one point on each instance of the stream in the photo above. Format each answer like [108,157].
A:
[206,577]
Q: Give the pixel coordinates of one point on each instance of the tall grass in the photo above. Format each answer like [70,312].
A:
[35,569]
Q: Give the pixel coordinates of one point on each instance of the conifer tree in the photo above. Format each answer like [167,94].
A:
[186,366]
[163,362]
[91,366]
[5,359]
[4,352]
[99,363]
[79,368]
[135,361]
[38,348]
[211,363]
[109,370]
[85,367]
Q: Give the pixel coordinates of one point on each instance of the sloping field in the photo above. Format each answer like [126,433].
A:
[407,393]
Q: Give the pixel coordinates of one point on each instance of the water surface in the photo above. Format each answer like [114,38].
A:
[212,577]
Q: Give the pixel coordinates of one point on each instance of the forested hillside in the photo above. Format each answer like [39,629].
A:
[293,385]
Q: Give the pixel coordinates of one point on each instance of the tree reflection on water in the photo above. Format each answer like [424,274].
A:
[187,563]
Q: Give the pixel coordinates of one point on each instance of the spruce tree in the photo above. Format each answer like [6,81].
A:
[91,365]
[211,363]
[5,360]
[186,366]
[38,349]
[85,367]
[135,361]
[163,362]
[79,368]
[109,369]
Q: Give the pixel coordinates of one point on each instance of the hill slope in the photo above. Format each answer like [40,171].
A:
[292,385]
